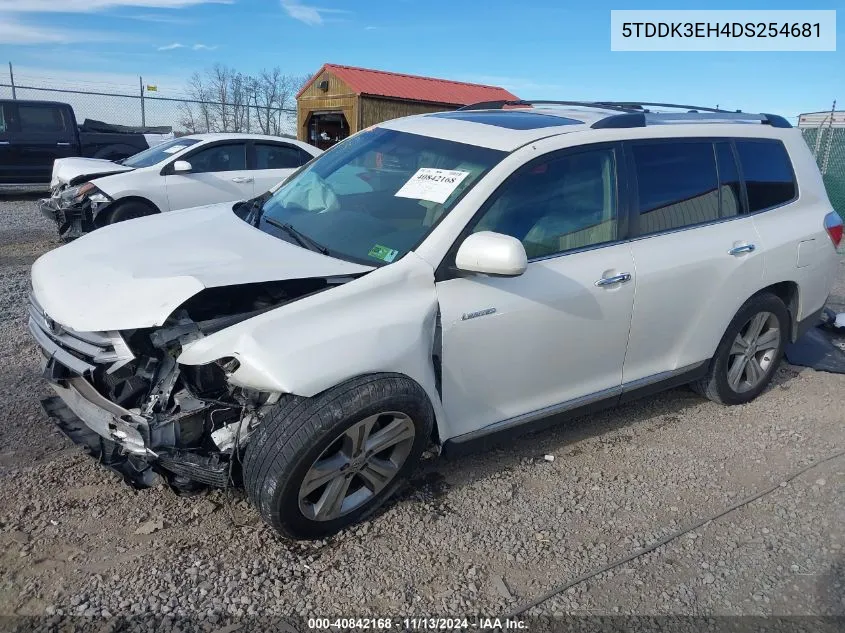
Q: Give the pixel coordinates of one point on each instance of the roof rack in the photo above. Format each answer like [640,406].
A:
[638,114]
[499,105]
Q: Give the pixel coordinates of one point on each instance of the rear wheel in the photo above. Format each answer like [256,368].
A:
[749,353]
[317,465]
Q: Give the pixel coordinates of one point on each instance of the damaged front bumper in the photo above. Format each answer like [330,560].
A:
[72,219]
[148,439]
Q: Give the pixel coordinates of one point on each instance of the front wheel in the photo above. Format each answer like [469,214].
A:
[749,353]
[125,211]
[317,465]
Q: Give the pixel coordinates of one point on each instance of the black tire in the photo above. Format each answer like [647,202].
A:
[715,385]
[123,211]
[297,431]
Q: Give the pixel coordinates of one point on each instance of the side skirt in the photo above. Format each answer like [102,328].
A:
[500,432]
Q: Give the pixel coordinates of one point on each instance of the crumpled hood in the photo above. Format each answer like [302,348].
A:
[135,274]
[66,169]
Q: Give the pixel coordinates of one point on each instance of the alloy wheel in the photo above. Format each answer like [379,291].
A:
[753,351]
[356,466]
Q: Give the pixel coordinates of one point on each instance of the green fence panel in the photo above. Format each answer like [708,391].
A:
[828,146]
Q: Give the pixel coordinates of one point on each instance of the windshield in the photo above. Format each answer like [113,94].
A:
[376,195]
[158,153]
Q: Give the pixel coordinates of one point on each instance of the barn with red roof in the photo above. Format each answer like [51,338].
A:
[340,100]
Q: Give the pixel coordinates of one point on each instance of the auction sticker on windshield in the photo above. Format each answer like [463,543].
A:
[434,185]
[383,253]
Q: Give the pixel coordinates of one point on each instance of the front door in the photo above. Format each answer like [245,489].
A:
[557,334]
[218,173]
[8,165]
[45,133]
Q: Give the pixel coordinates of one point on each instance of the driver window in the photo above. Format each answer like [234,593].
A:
[218,158]
[558,204]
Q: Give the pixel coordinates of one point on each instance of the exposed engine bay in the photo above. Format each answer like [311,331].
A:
[145,415]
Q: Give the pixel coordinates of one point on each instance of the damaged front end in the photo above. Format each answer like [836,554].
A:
[74,209]
[126,399]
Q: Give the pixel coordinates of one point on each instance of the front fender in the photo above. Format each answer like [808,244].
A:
[383,321]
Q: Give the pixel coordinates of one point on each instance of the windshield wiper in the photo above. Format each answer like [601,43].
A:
[256,206]
[303,240]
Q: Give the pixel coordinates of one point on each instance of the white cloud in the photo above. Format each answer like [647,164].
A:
[195,47]
[92,6]
[312,16]
[20,33]
[370,28]
[158,18]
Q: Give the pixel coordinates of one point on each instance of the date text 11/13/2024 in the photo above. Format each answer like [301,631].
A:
[416,624]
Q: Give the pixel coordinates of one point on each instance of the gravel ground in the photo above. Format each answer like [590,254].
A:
[479,535]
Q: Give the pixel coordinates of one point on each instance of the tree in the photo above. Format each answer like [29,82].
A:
[225,100]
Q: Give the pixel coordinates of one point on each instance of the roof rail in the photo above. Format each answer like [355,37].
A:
[498,105]
[637,113]
[641,105]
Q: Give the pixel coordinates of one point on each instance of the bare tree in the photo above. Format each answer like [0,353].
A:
[230,101]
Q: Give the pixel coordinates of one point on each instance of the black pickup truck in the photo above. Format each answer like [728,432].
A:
[35,133]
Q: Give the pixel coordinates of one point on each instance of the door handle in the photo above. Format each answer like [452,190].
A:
[63,144]
[621,278]
[241,179]
[742,249]
[5,143]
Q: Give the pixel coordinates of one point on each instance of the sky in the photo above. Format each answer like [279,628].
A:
[536,49]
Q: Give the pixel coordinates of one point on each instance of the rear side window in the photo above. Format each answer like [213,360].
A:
[767,171]
[677,185]
[230,157]
[277,156]
[3,125]
[41,119]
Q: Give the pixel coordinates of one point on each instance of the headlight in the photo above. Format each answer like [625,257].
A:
[77,195]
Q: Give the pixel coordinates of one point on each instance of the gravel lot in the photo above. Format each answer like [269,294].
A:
[480,535]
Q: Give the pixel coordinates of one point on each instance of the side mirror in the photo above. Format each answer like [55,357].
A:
[492,254]
[182,166]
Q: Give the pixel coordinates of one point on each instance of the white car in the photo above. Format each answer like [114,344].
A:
[190,171]
[436,279]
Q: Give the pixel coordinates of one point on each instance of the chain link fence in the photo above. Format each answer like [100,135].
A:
[826,140]
[184,115]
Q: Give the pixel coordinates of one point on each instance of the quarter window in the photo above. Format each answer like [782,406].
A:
[277,156]
[559,204]
[3,126]
[767,171]
[677,185]
[219,158]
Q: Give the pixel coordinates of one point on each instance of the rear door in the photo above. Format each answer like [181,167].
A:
[218,174]
[698,255]
[273,162]
[46,131]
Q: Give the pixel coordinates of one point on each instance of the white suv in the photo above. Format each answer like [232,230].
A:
[435,279]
